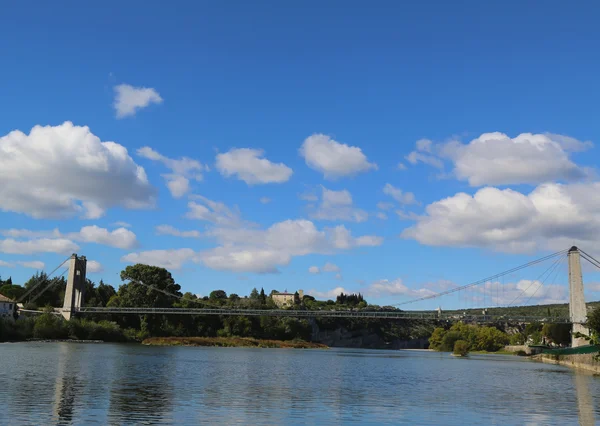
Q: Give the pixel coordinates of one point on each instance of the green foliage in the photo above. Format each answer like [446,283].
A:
[217,295]
[518,339]
[50,326]
[14,331]
[11,291]
[134,294]
[461,348]
[89,330]
[559,334]
[593,321]
[477,337]
[349,299]
[254,294]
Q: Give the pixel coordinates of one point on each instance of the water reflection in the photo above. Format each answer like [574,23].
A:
[129,384]
[585,403]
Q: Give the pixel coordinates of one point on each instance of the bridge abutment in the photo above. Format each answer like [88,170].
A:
[75,290]
[577,307]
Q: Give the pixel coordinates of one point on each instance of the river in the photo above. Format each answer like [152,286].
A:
[84,384]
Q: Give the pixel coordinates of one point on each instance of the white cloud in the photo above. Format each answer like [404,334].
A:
[183,169]
[93,267]
[385,206]
[61,171]
[395,287]
[33,264]
[401,166]
[338,277]
[309,196]
[314,270]
[398,195]
[381,215]
[337,206]
[265,200]
[170,259]
[121,224]
[331,267]
[331,294]
[250,167]
[170,230]
[38,245]
[119,238]
[214,212]
[263,251]
[129,99]
[6,264]
[552,216]
[332,158]
[497,159]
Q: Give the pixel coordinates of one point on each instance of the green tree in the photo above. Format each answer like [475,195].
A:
[136,294]
[559,334]
[461,348]
[593,322]
[12,291]
[254,294]
[218,295]
[262,296]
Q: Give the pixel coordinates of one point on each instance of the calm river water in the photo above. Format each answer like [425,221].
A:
[83,384]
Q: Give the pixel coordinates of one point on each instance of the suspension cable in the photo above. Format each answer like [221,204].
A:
[535,281]
[557,268]
[20,299]
[590,258]
[518,268]
[50,284]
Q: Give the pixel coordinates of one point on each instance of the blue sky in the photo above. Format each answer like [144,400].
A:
[408,147]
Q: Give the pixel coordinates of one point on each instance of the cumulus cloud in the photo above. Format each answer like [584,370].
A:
[398,195]
[552,216]
[33,264]
[312,270]
[337,206]
[170,259]
[38,245]
[93,267]
[381,215]
[119,238]
[170,230]
[6,264]
[329,294]
[264,251]
[338,277]
[66,170]
[248,165]
[334,159]
[215,212]
[182,170]
[331,267]
[265,200]
[121,224]
[385,287]
[130,99]
[497,159]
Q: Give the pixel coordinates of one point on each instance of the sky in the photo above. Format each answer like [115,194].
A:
[396,150]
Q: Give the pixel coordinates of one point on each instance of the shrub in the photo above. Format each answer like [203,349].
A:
[461,348]
[50,326]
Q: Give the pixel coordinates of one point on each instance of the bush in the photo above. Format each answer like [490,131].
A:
[461,348]
[89,330]
[50,326]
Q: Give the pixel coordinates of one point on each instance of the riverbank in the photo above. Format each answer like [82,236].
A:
[230,342]
[582,361]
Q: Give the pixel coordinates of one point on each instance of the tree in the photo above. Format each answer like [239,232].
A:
[461,348]
[559,334]
[136,294]
[217,294]
[234,297]
[12,291]
[263,297]
[593,323]
[254,294]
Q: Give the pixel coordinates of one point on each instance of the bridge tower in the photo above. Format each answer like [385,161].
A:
[577,308]
[75,286]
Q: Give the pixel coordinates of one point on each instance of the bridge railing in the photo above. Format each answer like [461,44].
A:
[320,313]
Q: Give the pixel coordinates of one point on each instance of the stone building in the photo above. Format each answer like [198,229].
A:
[285,299]
[7,307]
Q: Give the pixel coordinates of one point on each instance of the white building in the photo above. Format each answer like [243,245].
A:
[7,307]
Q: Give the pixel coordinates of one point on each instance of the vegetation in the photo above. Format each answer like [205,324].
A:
[461,348]
[231,342]
[478,338]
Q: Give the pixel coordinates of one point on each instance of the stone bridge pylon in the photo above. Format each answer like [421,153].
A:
[75,286]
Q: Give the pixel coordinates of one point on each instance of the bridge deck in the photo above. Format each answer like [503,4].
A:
[321,313]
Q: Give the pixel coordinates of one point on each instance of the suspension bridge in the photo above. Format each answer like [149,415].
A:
[74,296]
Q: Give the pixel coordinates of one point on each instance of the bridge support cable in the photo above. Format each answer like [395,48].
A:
[484,280]
[589,258]
[537,280]
[50,284]
[557,268]
[28,292]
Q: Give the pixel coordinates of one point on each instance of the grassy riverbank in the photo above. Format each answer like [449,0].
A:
[228,342]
